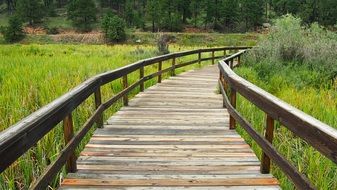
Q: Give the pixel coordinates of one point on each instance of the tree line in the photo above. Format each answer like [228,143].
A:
[174,15]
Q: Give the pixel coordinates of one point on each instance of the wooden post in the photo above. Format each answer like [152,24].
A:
[68,132]
[160,64]
[231,63]
[223,82]
[98,102]
[125,85]
[239,59]
[199,58]
[233,103]
[141,76]
[173,72]
[269,134]
[224,53]
[212,57]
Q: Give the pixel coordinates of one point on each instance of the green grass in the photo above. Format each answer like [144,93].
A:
[33,75]
[320,102]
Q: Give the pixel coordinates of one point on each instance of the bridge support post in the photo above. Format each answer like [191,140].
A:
[68,132]
[98,102]
[141,76]
[125,85]
[173,72]
[160,65]
[269,134]
[233,103]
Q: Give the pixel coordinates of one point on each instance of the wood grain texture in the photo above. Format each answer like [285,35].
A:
[175,134]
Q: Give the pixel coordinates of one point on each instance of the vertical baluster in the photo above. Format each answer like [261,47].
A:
[98,102]
[160,64]
[173,72]
[141,76]
[233,103]
[68,132]
[125,85]
[199,58]
[269,134]
[213,57]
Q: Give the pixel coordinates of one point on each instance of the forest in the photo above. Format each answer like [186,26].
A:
[171,15]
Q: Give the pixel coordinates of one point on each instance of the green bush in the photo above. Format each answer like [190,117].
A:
[14,31]
[113,28]
[290,44]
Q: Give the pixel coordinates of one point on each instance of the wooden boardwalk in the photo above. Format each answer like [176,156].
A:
[175,135]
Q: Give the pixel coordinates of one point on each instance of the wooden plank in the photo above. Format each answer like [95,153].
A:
[173,182]
[269,187]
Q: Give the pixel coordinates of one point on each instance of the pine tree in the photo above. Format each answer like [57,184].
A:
[252,12]
[31,11]
[153,13]
[113,28]
[14,31]
[82,13]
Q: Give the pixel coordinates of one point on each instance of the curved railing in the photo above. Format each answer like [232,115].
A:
[19,138]
[319,135]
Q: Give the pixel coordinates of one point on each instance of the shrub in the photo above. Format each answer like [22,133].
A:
[291,44]
[14,31]
[113,28]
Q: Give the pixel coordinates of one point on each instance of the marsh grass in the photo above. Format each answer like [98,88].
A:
[33,75]
[298,65]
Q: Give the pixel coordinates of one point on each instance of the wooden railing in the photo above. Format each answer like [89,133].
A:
[317,134]
[19,138]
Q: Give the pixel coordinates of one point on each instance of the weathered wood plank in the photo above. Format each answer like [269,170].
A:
[173,135]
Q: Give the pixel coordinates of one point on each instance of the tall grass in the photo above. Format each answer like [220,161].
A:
[298,65]
[33,75]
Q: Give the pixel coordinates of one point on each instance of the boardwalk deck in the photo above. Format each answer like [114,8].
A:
[175,135]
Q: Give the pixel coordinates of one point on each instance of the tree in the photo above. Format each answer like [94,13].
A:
[252,12]
[30,11]
[195,8]
[230,13]
[113,28]
[14,31]
[82,13]
[153,13]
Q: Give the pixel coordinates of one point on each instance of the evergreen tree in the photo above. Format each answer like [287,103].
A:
[14,31]
[230,13]
[195,9]
[82,13]
[252,12]
[31,11]
[113,28]
[153,13]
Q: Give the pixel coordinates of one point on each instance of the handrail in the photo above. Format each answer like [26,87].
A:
[19,138]
[318,134]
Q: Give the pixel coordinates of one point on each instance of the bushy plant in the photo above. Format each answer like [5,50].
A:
[31,11]
[113,28]
[290,44]
[14,31]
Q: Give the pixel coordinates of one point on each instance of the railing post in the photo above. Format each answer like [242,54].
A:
[98,102]
[160,64]
[199,58]
[224,53]
[173,72]
[239,59]
[233,103]
[223,82]
[269,134]
[141,76]
[213,57]
[231,63]
[68,132]
[125,85]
